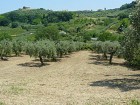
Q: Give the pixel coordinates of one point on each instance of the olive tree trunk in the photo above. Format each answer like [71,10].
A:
[41,60]
[111,57]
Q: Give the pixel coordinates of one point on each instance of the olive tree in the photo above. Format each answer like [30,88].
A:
[113,47]
[67,47]
[18,46]
[107,47]
[62,48]
[41,49]
[5,49]
[132,39]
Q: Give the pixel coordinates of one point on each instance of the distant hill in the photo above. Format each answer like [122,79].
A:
[28,15]
[75,23]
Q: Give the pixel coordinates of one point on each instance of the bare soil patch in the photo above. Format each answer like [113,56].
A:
[78,79]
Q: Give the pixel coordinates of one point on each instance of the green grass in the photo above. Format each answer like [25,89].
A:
[15,90]
[135,102]
[1,103]
[11,31]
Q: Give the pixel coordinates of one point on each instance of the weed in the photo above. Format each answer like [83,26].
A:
[16,90]
[135,102]
[1,103]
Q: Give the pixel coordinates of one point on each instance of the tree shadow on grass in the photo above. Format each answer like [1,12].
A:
[97,61]
[4,59]
[10,56]
[106,63]
[134,75]
[124,84]
[133,68]
[32,64]
[47,60]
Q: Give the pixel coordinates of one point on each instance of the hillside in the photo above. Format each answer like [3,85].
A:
[78,25]
[70,57]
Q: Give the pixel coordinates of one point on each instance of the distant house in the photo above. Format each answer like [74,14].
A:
[24,7]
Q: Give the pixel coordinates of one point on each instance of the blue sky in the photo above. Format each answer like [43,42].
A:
[9,5]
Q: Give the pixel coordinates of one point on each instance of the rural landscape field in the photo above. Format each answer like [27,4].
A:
[70,57]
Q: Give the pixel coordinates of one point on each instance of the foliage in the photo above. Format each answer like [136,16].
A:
[50,32]
[18,45]
[13,16]
[123,15]
[77,25]
[4,22]
[62,48]
[107,36]
[123,24]
[41,49]
[11,31]
[107,21]
[106,47]
[126,6]
[51,50]
[37,16]
[87,35]
[36,21]
[14,25]
[5,48]
[58,16]
[5,36]
[131,41]
[65,47]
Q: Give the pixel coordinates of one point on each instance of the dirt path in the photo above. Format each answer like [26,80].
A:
[76,80]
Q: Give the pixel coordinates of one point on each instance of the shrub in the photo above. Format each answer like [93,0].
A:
[18,46]
[41,49]
[14,25]
[5,48]
[4,36]
[107,47]
[107,36]
[4,22]
[50,32]
[131,42]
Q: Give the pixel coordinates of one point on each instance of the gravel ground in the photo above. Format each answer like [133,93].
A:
[77,79]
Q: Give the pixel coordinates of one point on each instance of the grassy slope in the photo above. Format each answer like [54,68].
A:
[87,20]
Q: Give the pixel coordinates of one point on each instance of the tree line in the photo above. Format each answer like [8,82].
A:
[34,17]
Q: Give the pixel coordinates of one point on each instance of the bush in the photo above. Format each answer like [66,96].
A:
[41,49]
[5,48]
[18,45]
[107,36]
[122,16]
[65,47]
[107,47]
[50,32]
[131,43]
[4,22]
[4,36]
[14,25]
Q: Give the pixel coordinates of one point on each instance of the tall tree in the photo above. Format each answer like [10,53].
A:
[132,39]
[50,32]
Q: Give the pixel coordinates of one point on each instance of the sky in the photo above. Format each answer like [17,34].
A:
[71,5]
